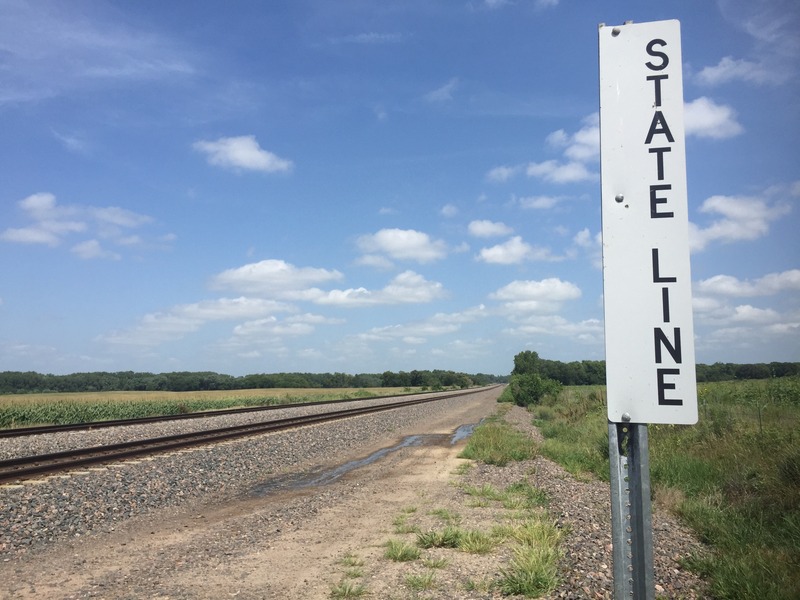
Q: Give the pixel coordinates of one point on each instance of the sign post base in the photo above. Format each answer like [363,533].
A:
[631,518]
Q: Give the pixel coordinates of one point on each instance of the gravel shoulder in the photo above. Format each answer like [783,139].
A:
[290,541]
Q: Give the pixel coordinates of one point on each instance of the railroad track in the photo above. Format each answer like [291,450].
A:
[29,466]
[47,429]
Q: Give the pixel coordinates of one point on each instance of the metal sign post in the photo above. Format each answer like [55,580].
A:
[649,335]
[631,521]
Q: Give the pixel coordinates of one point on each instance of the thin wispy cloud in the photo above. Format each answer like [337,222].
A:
[369,38]
[51,224]
[49,50]
[443,93]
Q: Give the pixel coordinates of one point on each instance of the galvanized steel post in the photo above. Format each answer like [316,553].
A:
[631,517]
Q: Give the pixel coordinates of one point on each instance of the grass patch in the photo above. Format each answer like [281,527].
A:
[401,551]
[482,585]
[401,525]
[498,443]
[354,573]
[533,571]
[348,589]
[449,537]
[484,492]
[476,542]
[421,582]
[435,563]
[351,560]
[463,468]
[532,496]
[517,496]
[447,516]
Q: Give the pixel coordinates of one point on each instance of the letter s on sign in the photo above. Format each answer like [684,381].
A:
[650,51]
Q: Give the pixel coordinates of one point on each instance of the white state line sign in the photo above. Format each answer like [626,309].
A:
[649,333]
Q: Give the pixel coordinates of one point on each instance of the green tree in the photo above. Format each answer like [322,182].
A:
[526,362]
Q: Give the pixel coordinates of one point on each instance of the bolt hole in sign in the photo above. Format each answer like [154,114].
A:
[650,363]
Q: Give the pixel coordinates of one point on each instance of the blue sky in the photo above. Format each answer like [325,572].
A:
[365,186]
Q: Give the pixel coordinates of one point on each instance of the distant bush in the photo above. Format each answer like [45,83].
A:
[530,388]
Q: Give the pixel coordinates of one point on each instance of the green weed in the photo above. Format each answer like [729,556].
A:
[447,516]
[348,589]
[400,551]
[498,443]
[421,582]
[476,542]
[533,571]
[351,560]
[449,537]
[435,563]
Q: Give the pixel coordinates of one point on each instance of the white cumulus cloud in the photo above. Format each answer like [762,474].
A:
[514,251]
[406,288]
[272,277]
[403,244]
[768,285]
[583,145]
[705,118]
[241,153]
[738,218]
[485,228]
[546,295]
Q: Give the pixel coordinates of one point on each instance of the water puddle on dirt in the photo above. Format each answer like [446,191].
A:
[296,481]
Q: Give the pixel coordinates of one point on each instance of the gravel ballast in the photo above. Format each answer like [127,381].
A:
[53,524]
[43,511]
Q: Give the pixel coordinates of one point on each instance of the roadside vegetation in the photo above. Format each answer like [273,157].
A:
[734,477]
[525,530]
[495,442]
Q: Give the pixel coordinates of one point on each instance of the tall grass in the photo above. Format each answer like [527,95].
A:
[734,477]
[496,442]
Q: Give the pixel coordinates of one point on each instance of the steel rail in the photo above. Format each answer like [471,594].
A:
[46,429]
[28,466]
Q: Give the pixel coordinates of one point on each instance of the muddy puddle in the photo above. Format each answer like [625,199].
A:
[297,481]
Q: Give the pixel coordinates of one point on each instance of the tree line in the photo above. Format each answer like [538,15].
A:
[593,372]
[584,372]
[19,382]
